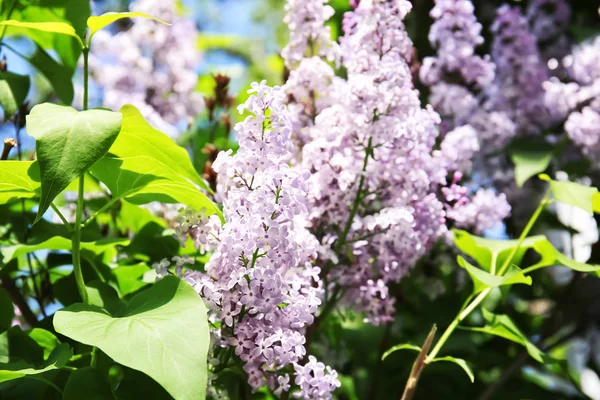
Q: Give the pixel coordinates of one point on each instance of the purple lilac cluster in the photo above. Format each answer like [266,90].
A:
[310,76]
[309,36]
[375,170]
[456,72]
[458,77]
[520,72]
[549,21]
[151,66]
[260,283]
[577,101]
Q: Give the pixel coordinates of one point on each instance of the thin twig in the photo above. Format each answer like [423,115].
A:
[417,368]
[9,143]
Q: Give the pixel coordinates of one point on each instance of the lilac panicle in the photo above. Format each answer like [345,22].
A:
[260,283]
[151,66]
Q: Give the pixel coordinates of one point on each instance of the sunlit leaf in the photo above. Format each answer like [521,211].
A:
[60,243]
[530,161]
[483,280]
[68,143]
[486,251]
[138,138]
[51,27]
[573,194]
[144,179]
[163,333]
[458,361]
[95,23]
[551,256]
[19,180]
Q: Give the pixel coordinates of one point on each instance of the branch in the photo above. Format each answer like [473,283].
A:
[415,373]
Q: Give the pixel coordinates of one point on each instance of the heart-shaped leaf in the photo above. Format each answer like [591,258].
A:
[13,91]
[163,333]
[52,27]
[144,179]
[19,180]
[95,23]
[68,143]
[138,138]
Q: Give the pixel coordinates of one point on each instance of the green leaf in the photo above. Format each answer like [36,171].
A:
[99,22]
[46,340]
[551,256]
[87,383]
[7,311]
[68,143]
[19,180]
[104,296]
[488,251]
[530,161]
[71,12]
[138,138]
[573,194]
[483,280]
[59,76]
[163,333]
[51,27]
[400,347]
[129,277]
[458,361]
[13,91]
[501,325]
[60,243]
[144,179]
[57,359]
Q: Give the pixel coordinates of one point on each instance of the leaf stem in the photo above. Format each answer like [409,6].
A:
[78,214]
[46,381]
[62,217]
[77,243]
[105,207]
[465,313]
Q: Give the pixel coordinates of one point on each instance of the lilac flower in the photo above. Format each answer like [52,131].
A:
[576,102]
[517,88]
[151,66]
[485,210]
[316,381]
[549,21]
[308,34]
[267,291]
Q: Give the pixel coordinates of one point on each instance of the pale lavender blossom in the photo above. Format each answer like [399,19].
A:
[151,66]
[484,211]
[259,281]
[309,36]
